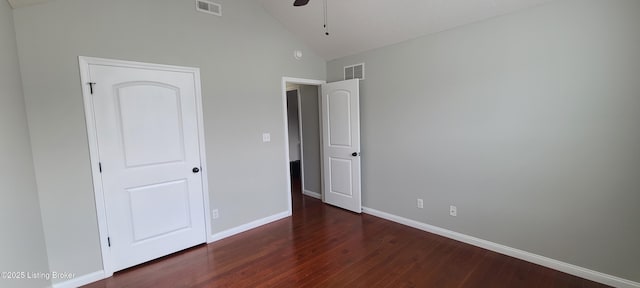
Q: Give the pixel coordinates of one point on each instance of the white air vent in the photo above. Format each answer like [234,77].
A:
[354,72]
[209,7]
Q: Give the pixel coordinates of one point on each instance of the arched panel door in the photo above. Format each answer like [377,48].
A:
[341,144]
[147,129]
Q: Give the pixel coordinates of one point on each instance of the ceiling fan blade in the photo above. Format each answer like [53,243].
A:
[300,2]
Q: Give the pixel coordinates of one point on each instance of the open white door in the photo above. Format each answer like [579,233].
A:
[341,144]
[148,146]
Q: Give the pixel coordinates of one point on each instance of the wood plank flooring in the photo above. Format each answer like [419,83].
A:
[323,246]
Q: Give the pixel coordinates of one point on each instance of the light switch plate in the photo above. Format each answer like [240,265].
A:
[266,137]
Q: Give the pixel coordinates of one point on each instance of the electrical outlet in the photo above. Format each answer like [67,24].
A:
[420,203]
[453,211]
[215,214]
[266,137]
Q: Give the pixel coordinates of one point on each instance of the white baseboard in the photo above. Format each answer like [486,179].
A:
[99,275]
[312,194]
[248,226]
[509,251]
[81,280]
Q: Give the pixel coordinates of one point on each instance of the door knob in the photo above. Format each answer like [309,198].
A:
[354,154]
[195,169]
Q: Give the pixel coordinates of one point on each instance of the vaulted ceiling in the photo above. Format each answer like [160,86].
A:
[359,25]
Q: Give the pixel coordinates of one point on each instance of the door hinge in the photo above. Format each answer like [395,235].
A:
[100,166]
[109,241]
[91,87]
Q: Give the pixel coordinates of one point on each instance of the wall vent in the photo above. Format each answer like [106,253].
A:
[354,72]
[209,7]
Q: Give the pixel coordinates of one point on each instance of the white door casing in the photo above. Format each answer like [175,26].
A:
[285,81]
[341,144]
[147,126]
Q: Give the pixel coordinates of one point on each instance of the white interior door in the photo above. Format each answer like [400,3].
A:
[147,130]
[341,144]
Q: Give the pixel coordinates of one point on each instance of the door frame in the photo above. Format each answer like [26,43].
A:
[299,81]
[92,136]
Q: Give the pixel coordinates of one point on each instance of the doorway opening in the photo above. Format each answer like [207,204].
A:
[302,122]
[295,133]
[329,125]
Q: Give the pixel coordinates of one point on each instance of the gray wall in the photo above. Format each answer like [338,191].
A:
[293,125]
[22,247]
[527,122]
[243,57]
[310,137]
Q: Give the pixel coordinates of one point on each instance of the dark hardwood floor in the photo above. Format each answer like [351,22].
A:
[323,246]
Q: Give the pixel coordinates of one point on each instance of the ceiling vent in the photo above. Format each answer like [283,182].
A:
[354,72]
[209,7]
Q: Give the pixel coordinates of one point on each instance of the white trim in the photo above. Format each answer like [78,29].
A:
[312,194]
[509,251]
[249,226]
[99,275]
[85,77]
[101,211]
[287,159]
[321,139]
[203,157]
[82,280]
[286,80]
